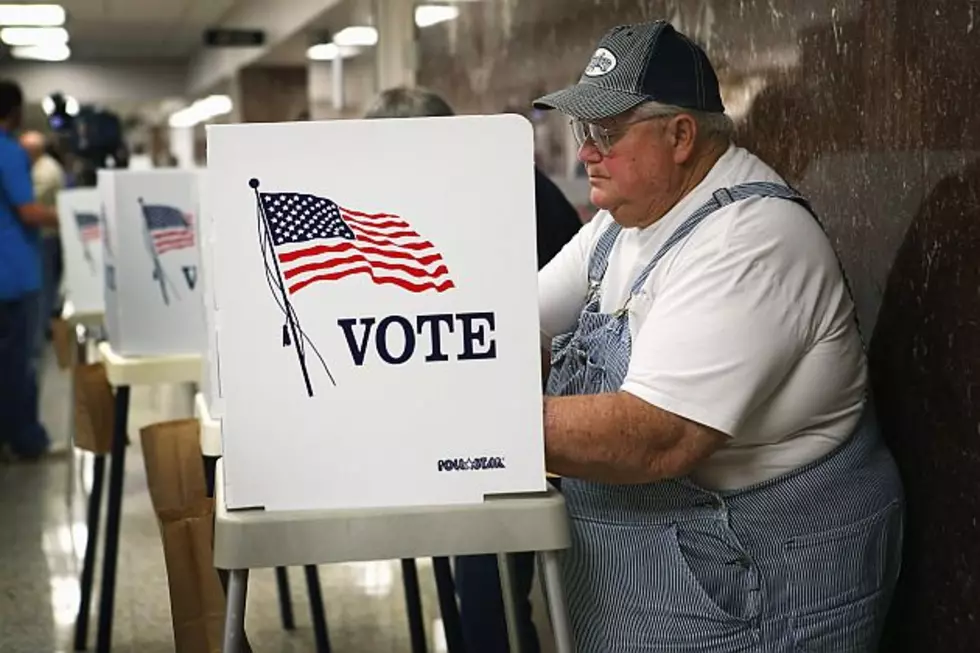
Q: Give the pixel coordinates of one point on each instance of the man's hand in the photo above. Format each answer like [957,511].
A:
[619,438]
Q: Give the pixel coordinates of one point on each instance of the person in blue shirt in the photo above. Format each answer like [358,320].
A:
[21,218]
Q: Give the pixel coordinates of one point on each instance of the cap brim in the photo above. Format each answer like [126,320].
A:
[589,102]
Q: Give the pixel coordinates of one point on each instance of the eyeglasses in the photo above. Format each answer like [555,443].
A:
[603,137]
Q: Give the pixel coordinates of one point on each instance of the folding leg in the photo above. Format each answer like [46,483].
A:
[508,581]
[285,599]
[556,602]
[88,562]
[234,639]
[446,589]
[117,472]
[413,605]
[317,611]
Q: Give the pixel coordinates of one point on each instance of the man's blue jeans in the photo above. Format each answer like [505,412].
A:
[482,606]
[20,427]
[51,269]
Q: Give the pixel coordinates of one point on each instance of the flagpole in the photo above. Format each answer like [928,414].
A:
[287,307]
[157,268]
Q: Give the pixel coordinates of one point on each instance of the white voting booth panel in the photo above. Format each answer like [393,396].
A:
[80,232]
[152,263]
[376,291]
[210,385]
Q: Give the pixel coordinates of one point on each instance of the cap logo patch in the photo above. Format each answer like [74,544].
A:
[602,62]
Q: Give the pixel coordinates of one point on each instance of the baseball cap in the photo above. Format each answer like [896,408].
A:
[637,63]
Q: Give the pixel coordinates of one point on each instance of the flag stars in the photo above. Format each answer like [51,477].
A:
[296,218]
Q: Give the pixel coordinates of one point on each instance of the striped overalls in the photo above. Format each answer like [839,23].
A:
[805,562]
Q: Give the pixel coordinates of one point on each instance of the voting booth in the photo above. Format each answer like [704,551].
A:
[375,311]
[210,385]
[80,232]
[152,293]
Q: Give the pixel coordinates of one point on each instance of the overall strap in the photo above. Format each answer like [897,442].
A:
[725,196]
[769,189]
[599,260]
[721,198]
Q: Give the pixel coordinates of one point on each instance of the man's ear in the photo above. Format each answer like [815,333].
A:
[684,134]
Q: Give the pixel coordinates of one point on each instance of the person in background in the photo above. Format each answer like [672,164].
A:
[48,178]
[21,219]
[557,220]
[708,405]
[477,577]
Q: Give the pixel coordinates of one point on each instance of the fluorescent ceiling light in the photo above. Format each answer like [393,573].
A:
[57,52]
[34,35]
[426,15]
[36,15]
[201,111]
[329,52]
[356,36]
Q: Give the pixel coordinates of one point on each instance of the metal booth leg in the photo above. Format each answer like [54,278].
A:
[88,562]
[117,471]
[234,639]
[556,602]
[317,612]
[508,580]
[285,600]
[94,505]
[446,589]
[413,605]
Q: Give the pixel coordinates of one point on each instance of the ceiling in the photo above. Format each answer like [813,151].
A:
[138,29]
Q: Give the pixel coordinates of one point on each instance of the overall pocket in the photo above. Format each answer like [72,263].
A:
[840,582]
[643,587]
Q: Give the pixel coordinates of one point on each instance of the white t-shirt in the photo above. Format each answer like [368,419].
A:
[745,327]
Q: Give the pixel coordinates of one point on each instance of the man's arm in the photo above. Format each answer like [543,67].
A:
[18,190]
[620,438]
[37,215]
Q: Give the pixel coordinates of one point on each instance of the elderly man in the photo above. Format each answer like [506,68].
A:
[707,399]
[48,178]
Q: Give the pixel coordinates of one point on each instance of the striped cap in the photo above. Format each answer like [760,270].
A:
[635,64]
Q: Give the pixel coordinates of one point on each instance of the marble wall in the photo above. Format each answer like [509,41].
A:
[869,107]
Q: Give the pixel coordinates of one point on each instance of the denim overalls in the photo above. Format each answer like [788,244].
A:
[803,562]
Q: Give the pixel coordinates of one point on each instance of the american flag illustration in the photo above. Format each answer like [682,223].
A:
[88,226]
[88,231]
[169,227]
[316,240]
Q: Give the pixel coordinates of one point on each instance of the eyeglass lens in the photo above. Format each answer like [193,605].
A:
[583,131]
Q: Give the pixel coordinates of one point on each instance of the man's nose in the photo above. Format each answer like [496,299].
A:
[588,152]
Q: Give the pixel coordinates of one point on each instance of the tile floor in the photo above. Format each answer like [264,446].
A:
[42,540]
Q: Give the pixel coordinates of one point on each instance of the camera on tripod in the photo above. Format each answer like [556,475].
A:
[91,134]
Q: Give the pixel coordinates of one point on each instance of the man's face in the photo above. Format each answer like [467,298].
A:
[33,144]
[637,176]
